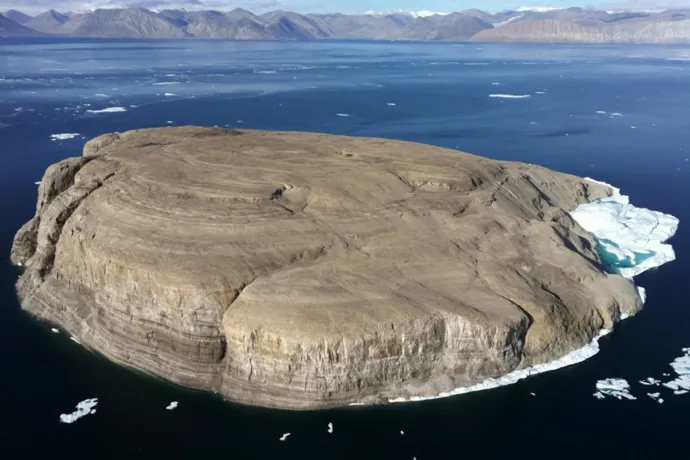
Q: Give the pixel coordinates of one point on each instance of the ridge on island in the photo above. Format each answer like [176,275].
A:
[305,271]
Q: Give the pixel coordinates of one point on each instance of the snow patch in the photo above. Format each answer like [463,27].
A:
[85,407]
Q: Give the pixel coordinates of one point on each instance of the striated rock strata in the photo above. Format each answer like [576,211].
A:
[305,271]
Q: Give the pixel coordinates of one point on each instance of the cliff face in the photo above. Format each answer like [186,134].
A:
[304,271]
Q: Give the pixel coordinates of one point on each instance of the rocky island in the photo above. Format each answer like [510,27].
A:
[307,271]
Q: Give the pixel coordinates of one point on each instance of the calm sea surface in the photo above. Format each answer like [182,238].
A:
[441,95]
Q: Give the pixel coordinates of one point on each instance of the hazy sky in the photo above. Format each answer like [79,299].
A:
[345,6]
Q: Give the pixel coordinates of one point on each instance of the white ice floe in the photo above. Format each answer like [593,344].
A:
[265,71]
[101,95]
[616,114]
[73,339]
[496,83]
[616,388]
[571,358]
[631,240]
[342,114]
[681,366]
[402,433]
[163,83]
[601,112]
[108,110]
[642,292]
[510,96]
[540,92]
[56,331]
[390,104]
[656,397]
[170,94]
[170,122]
[172,405]
[284,436]
[330,428]
[649,381]
[85,407]
[63,136]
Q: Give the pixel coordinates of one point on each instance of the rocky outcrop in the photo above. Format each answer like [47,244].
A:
[305,271]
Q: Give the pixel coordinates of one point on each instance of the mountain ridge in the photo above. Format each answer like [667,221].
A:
[567,25]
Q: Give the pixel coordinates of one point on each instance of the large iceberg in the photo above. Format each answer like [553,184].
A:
[631,240]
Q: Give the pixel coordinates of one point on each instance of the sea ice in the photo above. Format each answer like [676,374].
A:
[75,340]
[342,114]
[616,114]
[617,388]
[510,96]
[601,112]
[681,366]
[55,330]
[63,136]
[170,94]
[649,381]
[630,239]
[391,104]
[571,358]
[284,436]
[172,405]
[108,110]
[162,83]
[85,407]
[496,83]
[540,92]
[330,428]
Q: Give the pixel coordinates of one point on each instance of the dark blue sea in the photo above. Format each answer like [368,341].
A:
[433,93]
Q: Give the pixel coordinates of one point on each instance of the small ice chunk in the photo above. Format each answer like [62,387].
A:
[532,122]
[284,436]
[510,96]
[56,331]
[101,95]
[496,83]
[642,292]
[617,388]
[63,136]
[390,104]
[169,122]
[75,340]
[85,407]
[649,381]
[108,110]
[540,92]
[680,392]
[666,374]
[533,394]
[172,405]
[654,395]
[37,183]
[330,428]
[342,114]
[601,112]
[616,114]
[162,83]
[633,127]
[170,94]
[402,433]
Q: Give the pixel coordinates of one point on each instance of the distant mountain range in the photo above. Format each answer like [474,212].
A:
[574,25]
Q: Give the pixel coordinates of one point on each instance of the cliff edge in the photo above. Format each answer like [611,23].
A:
[307,271]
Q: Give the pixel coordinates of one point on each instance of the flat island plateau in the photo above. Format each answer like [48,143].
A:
[307,271]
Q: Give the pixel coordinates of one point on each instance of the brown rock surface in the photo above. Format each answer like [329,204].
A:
[305,271]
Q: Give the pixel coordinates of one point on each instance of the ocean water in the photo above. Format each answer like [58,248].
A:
[619,114]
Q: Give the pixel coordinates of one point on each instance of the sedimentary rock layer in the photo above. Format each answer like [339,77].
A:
[303,271]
